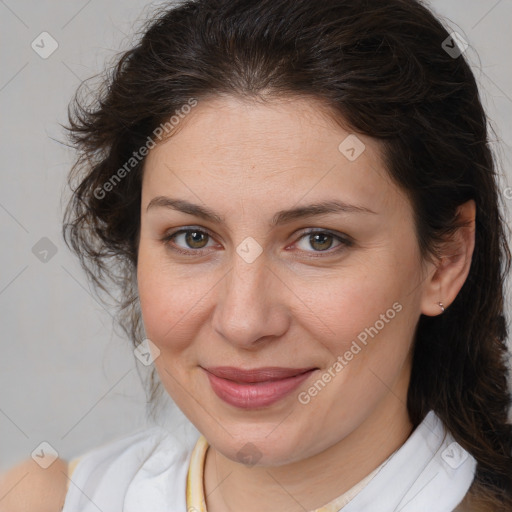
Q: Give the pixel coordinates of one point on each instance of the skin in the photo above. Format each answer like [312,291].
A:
[237,158]
[28,487]
[295,305]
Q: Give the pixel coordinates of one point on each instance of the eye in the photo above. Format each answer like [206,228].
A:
[322,241]
[192,238]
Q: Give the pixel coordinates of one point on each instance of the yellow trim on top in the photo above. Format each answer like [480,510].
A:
[195,488]
[195,499]
[71,467]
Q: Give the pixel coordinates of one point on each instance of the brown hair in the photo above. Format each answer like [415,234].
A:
[381,67]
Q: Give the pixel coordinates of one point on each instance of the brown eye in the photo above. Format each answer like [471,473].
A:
[195,239]
[322,241]
[187,241]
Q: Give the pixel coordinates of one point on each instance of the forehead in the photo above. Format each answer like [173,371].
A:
[231,149]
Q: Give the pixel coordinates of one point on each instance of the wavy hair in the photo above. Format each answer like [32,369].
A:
[381,67]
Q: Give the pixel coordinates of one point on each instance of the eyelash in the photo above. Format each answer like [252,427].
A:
[345,242]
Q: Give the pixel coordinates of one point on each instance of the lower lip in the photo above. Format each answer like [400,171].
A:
[255,395]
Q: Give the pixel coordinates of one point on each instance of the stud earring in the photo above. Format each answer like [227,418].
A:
[441,306]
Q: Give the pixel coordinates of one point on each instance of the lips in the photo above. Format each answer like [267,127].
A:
[255,388]
[270,373]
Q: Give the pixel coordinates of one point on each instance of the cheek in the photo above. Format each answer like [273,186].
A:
[371,311]
[167,303]
[367,327]
[349,304]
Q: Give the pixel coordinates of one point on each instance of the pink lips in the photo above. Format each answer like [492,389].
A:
[259,387]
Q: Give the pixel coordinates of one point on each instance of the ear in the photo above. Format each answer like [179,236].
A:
[452,268]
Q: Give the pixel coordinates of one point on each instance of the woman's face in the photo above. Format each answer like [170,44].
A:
[266,280]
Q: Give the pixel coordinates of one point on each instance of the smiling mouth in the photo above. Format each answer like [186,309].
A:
[255,388]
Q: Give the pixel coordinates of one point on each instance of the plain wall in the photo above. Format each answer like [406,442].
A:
[65,376]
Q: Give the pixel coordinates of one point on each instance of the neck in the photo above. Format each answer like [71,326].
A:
[313,482]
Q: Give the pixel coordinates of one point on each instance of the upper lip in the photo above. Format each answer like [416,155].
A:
[255,374]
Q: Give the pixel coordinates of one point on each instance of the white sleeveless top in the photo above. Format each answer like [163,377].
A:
[146,471]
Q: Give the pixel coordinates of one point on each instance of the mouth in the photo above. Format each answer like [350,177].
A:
[255,388]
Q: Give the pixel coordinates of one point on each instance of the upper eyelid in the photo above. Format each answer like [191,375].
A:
[301,233]
[185,229]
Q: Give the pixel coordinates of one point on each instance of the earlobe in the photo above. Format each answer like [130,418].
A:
[453,266]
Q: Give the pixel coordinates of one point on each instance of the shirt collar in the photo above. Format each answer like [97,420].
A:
[429,470]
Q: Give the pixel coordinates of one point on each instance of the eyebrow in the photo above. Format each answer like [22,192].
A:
[281,217]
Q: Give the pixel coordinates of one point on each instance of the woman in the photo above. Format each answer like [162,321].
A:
[298,204]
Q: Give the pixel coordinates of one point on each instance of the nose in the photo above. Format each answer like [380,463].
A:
[251,304]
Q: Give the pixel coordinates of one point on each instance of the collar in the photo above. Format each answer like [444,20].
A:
[429,470]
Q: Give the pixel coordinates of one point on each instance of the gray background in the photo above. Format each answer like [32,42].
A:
[65,376]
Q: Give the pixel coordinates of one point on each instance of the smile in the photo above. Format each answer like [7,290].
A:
[252,389]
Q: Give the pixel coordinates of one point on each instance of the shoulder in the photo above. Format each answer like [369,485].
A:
[128,450]
[118,462]
[144,470]
[27,487]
